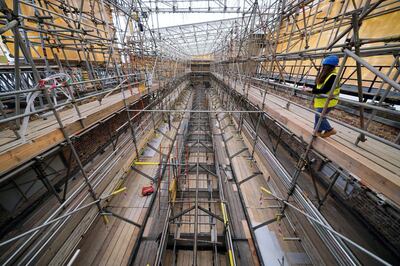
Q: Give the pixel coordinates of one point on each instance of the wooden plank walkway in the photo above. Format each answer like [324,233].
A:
[45,134]
[258,210]
[112,244]
[376,164]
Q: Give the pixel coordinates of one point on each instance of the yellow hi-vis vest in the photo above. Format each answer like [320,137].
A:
[320,99]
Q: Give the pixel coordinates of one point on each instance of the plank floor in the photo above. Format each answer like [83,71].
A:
[375,163]
[112,244]
[258,210]
[41,135]
[40,127]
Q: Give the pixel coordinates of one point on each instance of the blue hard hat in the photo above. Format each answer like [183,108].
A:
[332,60]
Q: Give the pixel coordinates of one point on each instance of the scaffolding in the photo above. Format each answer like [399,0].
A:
[81,67]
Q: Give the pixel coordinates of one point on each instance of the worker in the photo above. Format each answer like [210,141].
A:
[324,82]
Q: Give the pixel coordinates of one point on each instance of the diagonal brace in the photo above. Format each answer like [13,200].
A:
[266,222]
[210,213]
[110,213]
[155,149]
[228,139]
[142,173]
[238,152]
[207,170]
[181,213]
[165,135]
[249,177]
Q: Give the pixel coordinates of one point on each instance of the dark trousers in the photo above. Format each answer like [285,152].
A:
[325,126]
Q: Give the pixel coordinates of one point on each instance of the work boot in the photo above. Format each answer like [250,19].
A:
[325,134]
